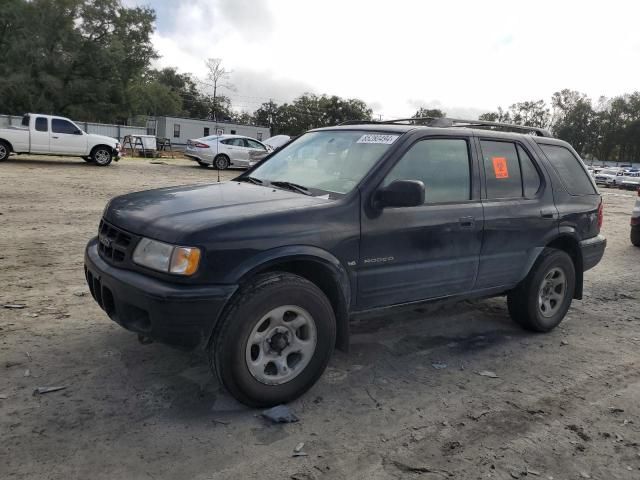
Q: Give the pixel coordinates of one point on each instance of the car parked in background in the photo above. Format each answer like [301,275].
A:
[630,180]
[224,151]
[277,141]
[51,135]
[609,176]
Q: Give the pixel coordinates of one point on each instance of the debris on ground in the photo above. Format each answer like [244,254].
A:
[3,396]
[564,343]
[477,415]
[80,293]
[43,390]
[15,306]
[299,447]
[27,373]
[487,373]
[532,472]
[280,414]
[439,365]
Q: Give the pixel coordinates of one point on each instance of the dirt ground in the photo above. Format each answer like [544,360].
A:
[406,402]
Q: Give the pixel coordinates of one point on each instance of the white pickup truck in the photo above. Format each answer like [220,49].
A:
[50,135]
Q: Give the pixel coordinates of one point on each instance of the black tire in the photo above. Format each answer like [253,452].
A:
[221,162]
[635,237]
[524,300]
[230,345]
[203,165]
[101,155]
[5,151]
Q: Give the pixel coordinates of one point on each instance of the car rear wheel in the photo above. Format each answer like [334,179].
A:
[543,298]
[221,162]
[274,341]
[5,150]
[102,156]
[635,237]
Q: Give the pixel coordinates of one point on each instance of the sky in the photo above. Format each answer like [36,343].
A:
[465,57]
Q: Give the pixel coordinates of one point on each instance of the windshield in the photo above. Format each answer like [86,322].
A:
[330,161]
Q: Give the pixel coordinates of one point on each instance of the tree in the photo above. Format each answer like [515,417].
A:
[423,112]
[500,116]
[218,77]
[79,58]
[574,120]
[530,113]
[194,103]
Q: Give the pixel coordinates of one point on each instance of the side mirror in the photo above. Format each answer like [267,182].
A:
[78,132]
[401,193]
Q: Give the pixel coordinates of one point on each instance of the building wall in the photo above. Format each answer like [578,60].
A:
[179,130]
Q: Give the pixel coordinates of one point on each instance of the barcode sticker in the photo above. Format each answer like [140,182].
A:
[375,138]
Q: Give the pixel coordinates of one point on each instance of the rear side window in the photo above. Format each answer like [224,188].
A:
[502,169]
[41,124]
[569,168]
[509,170]
[441,164]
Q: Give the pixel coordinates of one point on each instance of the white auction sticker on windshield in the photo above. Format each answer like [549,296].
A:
[375,138]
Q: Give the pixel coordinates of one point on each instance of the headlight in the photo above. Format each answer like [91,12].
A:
[167,258]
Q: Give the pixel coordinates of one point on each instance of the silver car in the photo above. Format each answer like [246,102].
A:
[224,151]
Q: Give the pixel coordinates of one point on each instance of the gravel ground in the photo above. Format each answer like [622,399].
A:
[406,402]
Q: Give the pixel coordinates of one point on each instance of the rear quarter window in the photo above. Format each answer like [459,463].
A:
[570,170]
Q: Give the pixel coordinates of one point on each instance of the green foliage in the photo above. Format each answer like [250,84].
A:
[429,112]
[608,131]
[73,57]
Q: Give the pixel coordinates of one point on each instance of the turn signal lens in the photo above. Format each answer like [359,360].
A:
[185,260]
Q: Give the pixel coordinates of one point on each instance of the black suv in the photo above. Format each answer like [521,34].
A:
[264,272]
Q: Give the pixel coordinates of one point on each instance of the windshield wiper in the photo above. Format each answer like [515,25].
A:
[254,180]
[291,186]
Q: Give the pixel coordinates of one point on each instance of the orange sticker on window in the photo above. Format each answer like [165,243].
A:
[500,167]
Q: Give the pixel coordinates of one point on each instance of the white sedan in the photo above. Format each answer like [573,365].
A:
[223,151]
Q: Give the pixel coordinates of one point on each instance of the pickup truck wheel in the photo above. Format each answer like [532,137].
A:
[543,298]
[635,238]
[274,341]
[221,162]
[5,150]
[101,156]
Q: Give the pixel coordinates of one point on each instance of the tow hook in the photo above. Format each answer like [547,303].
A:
[144,340]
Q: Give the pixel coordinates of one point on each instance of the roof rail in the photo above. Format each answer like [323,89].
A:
[445,122]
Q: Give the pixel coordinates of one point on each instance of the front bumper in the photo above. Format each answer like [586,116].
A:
[180,315]
[592,251]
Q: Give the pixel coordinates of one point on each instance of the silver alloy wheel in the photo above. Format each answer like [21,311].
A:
[552,292]
[221,163]
[101,156]
[281,345]
[3,152]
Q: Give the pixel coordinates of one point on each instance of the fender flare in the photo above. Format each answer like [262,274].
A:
[271,258]
[564,234]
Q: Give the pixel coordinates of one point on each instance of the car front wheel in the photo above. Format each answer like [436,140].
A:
[4,151]
[543,298]
[275,340]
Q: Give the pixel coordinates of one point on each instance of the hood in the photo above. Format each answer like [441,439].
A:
[172,214]
[103,139]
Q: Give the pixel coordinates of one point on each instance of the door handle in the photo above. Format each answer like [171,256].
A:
[547,213]
[467,223]
[54,137]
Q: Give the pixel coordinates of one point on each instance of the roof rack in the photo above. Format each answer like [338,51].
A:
[444,122]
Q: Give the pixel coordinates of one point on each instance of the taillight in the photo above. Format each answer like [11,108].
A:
[600,214]
[200,145]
